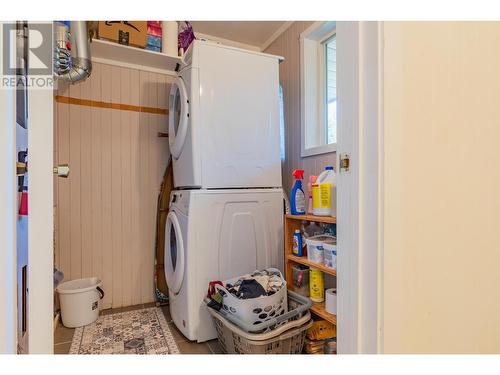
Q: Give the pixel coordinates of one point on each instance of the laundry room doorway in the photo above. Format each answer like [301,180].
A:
[358,162]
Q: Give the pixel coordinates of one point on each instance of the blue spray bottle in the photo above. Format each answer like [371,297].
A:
[298,198]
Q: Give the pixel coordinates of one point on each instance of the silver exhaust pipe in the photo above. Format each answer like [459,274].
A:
[72,65]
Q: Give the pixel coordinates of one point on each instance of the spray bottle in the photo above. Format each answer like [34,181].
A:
[298,198]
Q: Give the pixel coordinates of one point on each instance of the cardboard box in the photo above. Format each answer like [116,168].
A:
[130,33]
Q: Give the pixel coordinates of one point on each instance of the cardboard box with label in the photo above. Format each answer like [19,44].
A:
[130,33]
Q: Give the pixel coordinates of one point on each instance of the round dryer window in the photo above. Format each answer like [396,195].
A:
[174,253]
[178,116]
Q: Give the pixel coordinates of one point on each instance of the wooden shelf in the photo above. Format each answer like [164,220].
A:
[118,54]
[306,262]
[318,308]
[319,219]
[293,222]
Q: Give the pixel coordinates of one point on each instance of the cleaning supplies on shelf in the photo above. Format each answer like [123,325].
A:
[331,301]
[312,181]
[330,254]
[316,285]
[297,197]
[300,279]
[327,228]
[316,247]
[311,228]
[324,193]
[297,243]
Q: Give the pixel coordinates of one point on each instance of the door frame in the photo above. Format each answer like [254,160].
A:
[360,204]
[8,218]
[41,221]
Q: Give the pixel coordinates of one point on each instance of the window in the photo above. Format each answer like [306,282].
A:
[318,45]
[331,90]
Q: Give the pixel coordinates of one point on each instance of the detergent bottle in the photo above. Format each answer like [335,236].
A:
[324,193]
[316,285]
[297,243]
[298,198]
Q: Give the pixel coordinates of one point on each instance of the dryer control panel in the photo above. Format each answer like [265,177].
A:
[179,199]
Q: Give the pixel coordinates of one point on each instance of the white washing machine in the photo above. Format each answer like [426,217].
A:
[216,235]
[224,119]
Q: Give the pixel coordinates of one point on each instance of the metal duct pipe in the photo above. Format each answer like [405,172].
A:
[80,65]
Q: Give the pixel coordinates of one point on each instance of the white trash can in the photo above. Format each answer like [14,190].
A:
[79,301]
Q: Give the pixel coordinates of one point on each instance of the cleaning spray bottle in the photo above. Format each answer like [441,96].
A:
[298,198]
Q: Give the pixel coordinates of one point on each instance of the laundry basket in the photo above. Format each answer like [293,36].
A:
[235,336]
[80,301]
[254,310]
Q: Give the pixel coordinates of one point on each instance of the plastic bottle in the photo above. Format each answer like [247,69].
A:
[312,181]
[316,285]
[324,193]
[297,243]
[298,198]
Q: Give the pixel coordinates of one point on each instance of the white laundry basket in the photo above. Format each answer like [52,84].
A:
[255,310]
[80,301]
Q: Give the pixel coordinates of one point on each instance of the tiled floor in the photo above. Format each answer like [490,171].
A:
[63,335]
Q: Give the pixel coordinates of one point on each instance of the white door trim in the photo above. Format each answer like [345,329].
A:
[359,46]
[347,189]
[8,215]
[371,185]
[40,221]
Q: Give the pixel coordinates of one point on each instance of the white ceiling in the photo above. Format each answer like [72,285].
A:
[254,33]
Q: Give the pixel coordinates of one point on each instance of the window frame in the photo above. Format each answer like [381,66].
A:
[313,87]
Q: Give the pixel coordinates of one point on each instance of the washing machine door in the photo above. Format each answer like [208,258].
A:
[178,116]
[174,253]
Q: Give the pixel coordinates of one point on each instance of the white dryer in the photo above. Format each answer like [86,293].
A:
[216,235]
[224,119]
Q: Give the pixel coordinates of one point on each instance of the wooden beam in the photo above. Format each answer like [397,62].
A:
[100,104]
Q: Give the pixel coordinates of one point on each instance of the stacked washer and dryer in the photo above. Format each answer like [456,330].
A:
[226,212]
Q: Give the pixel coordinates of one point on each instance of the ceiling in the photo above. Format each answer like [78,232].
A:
[255,33]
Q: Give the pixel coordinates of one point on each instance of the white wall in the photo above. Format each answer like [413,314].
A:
[287,45]
[117,162]
[442,181]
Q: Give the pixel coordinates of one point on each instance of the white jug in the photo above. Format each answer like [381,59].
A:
[324,193]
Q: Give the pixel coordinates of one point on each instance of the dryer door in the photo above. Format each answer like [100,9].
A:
[178,116]
[174,253]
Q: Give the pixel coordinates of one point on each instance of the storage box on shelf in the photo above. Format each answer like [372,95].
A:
[129,33]
[293,222]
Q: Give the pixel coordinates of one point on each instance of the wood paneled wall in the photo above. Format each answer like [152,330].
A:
[287,45]
[106,209]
